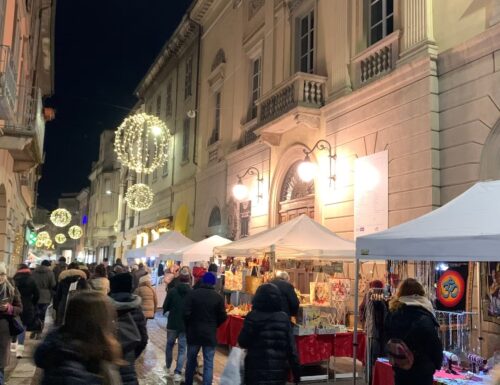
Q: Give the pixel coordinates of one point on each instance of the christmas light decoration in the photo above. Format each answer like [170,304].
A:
[43,236]
[142,143]
[48,244]
[75,232]
[60,217]
[60,238]
[39,244]
[139,197]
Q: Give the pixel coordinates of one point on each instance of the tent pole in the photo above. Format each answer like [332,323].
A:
[356,317]
[479,310]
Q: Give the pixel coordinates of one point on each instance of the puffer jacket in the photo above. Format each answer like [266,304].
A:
[125,304]
[148,296]
[46,282]
[66,278]
[174,304]
[418,328]
[29,295]
[267,336]
[62,363]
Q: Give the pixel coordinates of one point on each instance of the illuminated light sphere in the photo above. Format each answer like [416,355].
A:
[60,238]
[39,244]
[307,170]
[142,143]
[44,235]
[48,243]
[75,232]
[139,197]
[60,217]
[240,191]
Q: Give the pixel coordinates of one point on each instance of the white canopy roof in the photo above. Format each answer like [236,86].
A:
[301,237]
[465,229]
[199,251]
[166,244]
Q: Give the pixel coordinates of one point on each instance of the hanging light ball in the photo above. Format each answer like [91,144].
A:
[60,238]
[60,217]
[39,244]
[43,236]
[48,243]
[139,197]
[75,232]
[142,143]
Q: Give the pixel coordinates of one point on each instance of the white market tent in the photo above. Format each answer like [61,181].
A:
[168,243]
[199,251]
[301,237]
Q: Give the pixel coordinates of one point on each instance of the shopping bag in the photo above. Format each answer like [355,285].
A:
[233,371]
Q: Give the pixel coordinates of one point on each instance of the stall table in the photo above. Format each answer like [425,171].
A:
[383,375]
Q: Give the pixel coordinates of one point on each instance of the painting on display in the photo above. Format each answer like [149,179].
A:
[490,291]
[454,288]
[320,293]
[341,289]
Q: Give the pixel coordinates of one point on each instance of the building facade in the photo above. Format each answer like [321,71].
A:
[26,65]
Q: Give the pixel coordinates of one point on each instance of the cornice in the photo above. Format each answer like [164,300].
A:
[200,10]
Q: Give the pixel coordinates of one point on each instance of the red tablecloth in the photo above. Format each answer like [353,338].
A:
[228,332]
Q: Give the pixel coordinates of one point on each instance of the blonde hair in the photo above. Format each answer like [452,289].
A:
[409,286]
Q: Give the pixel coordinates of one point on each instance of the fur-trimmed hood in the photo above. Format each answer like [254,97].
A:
[72,272]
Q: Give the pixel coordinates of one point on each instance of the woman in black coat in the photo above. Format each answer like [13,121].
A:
[411,319]
[267,336]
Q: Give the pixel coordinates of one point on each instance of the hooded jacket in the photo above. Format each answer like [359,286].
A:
[66,278]
[62,363]
[174,303]
[418,328]
[128,306]
[29,295]
[267,335]
[46,283]
[148,296]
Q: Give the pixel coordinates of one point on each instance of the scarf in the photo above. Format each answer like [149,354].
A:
[418,300]
[6,290]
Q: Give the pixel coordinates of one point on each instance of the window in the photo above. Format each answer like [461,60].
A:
[185,140]
[155,175]
[188,79]
[381,17]
[216,131]
[165,169]
[306,43]
[168,99]
[255,85]
[158,105]
[107,187]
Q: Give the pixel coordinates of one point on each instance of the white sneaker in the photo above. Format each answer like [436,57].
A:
[13,347]
[170,372]
[178,377]
[19,351]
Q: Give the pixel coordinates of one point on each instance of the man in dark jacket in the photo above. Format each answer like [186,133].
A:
[138,274]
[132,332]
[204,313]
[45,281]
[67,277]
[60,267]
[176,329]
[289,301]
[267,336]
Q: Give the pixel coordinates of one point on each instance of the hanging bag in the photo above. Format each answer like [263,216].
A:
[253,281]
[233,373]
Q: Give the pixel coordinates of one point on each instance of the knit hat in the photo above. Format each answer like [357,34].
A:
[209,279]
[145,278]
[3,268]
[121,283]
[198,272]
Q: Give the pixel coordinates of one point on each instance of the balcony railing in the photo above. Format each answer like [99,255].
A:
[376,60]
[8,86]
[301,89]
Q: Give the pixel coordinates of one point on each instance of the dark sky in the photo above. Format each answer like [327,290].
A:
[103,48]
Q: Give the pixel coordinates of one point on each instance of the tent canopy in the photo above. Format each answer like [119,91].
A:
[166,244]
[200,251]
[467,228]
[301,237]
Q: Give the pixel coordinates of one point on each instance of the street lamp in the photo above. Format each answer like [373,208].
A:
[307,169]
[240,191]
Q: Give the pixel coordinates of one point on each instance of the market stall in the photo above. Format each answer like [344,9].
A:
[465,229]
[199,251]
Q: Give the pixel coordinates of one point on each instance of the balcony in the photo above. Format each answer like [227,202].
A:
[8,86]
[25,141]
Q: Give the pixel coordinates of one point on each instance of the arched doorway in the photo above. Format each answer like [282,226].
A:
[4,250]
[296,197]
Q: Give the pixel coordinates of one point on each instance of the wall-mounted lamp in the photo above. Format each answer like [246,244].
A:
[307,169]
[240,191]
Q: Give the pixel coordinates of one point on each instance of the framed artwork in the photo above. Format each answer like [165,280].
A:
[320,293]
[454,288]
[341,289]
[490,291]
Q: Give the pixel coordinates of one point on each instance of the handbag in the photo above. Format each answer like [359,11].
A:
[15,326]
[233,371]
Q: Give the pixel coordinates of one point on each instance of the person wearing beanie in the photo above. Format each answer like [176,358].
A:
[131,324]
[10,306]
[176,329]
[219,284]
[204,312]
[148,296]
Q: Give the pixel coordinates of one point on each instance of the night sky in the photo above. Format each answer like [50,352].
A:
[103,48]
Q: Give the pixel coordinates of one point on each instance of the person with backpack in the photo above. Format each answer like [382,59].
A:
[131,324]
[414,348]
[84,351]
[46,283]
[148,296]
[73,275]
[29,297]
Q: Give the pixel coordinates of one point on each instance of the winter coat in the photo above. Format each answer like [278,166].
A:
[46,283]
[289,301]
[136,275]
[125,304]
[174,304]
[29,295]
[418,328]
[62,363]
[58,269]
[204,312]
[5,338]
[148,296]
[100,284]
[267,335]
[66,278]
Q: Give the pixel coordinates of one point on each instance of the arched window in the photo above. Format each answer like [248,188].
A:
[215,218]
